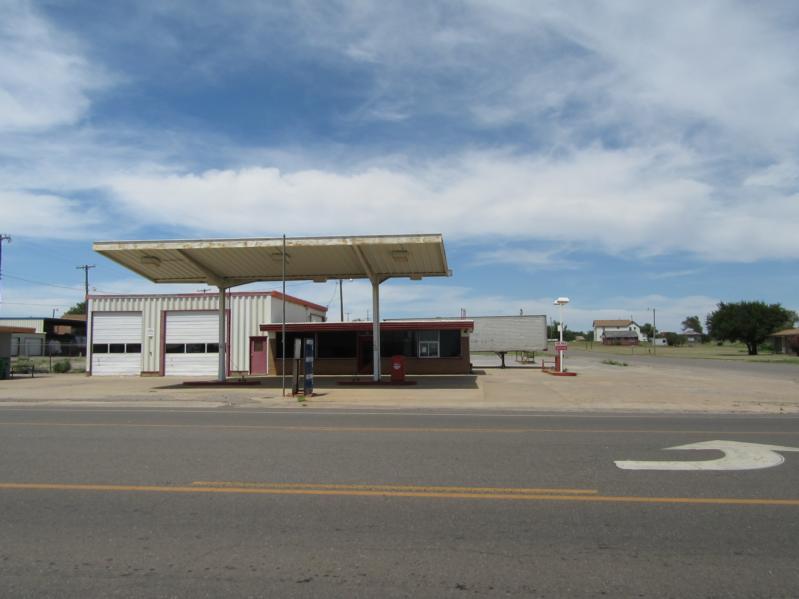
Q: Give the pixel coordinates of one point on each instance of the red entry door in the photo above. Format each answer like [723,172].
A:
[259,348]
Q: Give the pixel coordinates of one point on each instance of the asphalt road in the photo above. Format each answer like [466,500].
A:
[295,503]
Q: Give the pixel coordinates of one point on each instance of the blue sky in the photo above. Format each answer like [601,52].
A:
[628,155]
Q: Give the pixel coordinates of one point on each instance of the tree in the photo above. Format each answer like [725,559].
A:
[692,323]
[79,308]
[647,329]
[675,340]
[748,322]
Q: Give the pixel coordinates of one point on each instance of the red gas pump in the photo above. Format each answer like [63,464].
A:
[397,369]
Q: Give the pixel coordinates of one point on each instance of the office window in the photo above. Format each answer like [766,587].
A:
[428,344]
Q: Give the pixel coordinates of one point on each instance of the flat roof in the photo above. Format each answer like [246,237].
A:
[21,330]
[230,262]
[46,319]
[391,325]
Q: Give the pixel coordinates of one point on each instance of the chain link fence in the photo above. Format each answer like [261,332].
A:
[38,355]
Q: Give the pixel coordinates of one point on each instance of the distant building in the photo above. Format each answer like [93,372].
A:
[786,342]
[691,336]
[603,327]
[58,336]
[620,338]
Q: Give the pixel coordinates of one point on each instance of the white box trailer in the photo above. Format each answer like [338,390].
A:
[504,334]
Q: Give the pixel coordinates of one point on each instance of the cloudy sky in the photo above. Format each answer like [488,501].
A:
[628,155]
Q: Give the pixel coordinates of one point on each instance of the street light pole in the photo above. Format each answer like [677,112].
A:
[560,302]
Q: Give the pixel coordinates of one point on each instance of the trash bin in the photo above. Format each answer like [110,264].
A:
[5,368]
[397,369]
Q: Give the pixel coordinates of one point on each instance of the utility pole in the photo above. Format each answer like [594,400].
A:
[85,268]
[3,237]
[341,297]
[654,332]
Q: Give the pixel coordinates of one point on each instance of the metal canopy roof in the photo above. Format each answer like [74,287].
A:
[231,262]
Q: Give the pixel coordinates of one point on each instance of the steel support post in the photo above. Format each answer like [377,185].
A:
[376,329]
[222,345]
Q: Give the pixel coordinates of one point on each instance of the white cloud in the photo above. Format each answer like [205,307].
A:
[525,258]
[635,200]
[46,215]
[45,80]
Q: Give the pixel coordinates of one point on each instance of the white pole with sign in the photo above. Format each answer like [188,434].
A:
[560,347]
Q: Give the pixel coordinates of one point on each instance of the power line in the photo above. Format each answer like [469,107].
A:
[41,282]
[59,286]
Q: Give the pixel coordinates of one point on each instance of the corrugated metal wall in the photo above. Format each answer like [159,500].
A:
[247,312]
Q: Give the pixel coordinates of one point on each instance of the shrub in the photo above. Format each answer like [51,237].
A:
[62,366]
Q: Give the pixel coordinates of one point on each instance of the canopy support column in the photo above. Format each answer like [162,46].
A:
[222,372]
[375,329]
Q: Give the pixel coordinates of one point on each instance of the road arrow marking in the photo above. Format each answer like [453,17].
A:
[737,456]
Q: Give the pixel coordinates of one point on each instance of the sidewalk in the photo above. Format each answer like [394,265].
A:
[598,388]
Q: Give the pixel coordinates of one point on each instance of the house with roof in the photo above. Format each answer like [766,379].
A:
[786,341]
[618,332]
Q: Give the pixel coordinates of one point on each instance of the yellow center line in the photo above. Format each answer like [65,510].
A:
[365,429]
[392,488]
[435,495]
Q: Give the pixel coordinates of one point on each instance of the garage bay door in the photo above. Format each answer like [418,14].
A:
[116,343]
[192,346]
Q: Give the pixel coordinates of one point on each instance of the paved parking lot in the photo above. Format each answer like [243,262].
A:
[658,385]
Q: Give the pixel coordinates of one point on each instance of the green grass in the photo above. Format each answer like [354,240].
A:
[614,363]
[706,351]
[42,363]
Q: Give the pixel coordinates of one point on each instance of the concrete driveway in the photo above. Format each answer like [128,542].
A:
[651,386]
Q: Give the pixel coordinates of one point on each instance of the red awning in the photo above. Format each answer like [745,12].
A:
[394,325]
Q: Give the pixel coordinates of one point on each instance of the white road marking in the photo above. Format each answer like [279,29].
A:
[737,456]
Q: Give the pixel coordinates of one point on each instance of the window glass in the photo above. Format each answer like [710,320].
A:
[133,348]
[428,349]
[116,348]
[450,346]
[212,348]
[100,348]
[195,348]
[175,348]
[397,343]
[290,337]
[427,335]
[336,345]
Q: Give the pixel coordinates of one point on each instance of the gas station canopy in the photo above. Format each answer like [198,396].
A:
[227,263]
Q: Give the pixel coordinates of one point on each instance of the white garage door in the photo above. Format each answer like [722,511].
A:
[116,343]
[191,346]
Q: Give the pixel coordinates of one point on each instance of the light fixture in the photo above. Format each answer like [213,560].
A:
[320,279]
[416,277]
[278,256]
[561,301]
[151,261]
[400,255]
